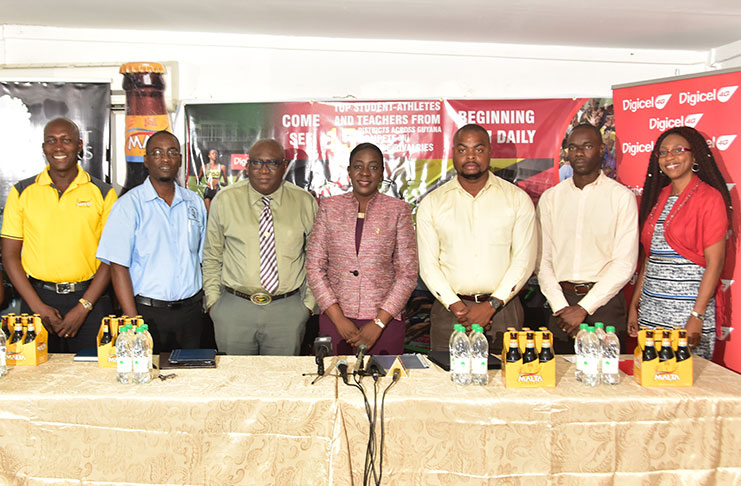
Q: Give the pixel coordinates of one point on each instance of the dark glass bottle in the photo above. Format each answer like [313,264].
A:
[107,337]
[18,331]
[529,355]
[649,350]
[683,351]
[30,333]
[513,353]
[666,352]
[546,353]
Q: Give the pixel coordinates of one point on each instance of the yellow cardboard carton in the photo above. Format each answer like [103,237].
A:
[667,372]
[532,374]
[31,353]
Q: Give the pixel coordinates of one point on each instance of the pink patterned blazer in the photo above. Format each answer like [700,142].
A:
[382,274]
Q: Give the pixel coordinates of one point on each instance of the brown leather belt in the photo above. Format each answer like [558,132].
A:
[260,298]
[478,298]
[577,288]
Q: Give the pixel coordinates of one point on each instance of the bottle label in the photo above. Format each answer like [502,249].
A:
[140,365]
[138,130]
[610,366]
[123,365]
[479,366]
[461,365]
[579,363]
[590,365]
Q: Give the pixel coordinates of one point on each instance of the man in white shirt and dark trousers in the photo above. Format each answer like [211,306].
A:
[477,245]
[588,244]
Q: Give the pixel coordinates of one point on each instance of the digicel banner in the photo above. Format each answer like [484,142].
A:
[711,104]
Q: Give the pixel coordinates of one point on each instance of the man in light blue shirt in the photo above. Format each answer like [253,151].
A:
[153,241]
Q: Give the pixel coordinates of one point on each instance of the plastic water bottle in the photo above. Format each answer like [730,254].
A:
[599,330]
[591,357]
[578,350]
[145,327]
[3,349]
[479,356]
[457,328]
[460,359]
[142,355]
[610,357]
[124,363]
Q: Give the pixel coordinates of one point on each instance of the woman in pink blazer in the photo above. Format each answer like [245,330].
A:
[361,261]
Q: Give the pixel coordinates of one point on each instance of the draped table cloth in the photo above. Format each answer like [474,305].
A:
[257,420]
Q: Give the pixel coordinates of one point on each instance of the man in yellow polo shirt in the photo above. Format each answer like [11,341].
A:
[51,227]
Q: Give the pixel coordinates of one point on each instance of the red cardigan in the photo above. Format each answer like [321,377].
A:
[382,274]
[696,221]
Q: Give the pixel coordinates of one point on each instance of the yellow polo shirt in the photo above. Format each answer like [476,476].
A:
[60,232]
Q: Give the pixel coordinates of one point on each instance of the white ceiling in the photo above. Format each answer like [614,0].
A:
[652,24]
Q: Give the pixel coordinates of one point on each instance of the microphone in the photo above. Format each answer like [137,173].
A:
[359,358]
[397,375]
[322,349]
[342,367]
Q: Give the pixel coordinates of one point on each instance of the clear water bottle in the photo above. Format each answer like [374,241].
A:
[457,328]
[3,349]
[460,359]
[591,356]
[599,330]
[479,356]
[141,354]
[145,327]
[124,363]
[610,357]
[578,351]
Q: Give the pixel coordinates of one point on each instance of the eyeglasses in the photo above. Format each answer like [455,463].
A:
[676,151]
[270,164]
[158,154]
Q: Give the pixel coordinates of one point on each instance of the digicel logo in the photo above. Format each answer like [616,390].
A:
[240,159]
[666,123]
[721,143]
[721,94]
[658,102]
[637,148]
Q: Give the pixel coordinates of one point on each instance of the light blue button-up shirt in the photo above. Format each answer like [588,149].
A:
[161,245]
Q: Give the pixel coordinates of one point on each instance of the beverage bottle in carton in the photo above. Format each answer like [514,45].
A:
[546,351]
[649,349]
[591,357]
[106,337]
[666,352]
[578,350]
[479,356]
[610,357]
[513,352]
[529,355]
[17,336]
[683,352]
[31,332]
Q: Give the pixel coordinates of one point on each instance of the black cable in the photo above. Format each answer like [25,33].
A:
[397,375]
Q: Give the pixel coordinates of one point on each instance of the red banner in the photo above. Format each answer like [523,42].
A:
[711,105]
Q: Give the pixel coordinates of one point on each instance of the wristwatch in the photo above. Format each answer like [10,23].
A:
[495,303]
[379,322]
[86,304]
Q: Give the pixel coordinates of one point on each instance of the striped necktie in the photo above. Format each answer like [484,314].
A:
[268,261]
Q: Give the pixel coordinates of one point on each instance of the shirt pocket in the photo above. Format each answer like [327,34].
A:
[194,235]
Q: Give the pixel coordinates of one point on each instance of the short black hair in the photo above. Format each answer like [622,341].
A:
[587,126]
[472,127]
[161,132]
[367,146]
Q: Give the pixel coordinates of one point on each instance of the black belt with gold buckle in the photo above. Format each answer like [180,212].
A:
[140,299]
[61,287]
[260,298]
[577,288]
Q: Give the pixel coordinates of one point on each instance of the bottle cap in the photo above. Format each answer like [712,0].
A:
[590,329]
[583,325]
[142,67]
[145,327]
[611,329]
[600,325]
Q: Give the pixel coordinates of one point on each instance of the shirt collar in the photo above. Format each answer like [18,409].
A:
[592,185]
[81,178]
[149,193]
[256,197]
[491,182]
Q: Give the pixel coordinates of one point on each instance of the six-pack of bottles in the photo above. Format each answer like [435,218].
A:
[27,341]
[528,360]
[662,358]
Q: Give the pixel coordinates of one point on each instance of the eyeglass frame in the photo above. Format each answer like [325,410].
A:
[676,152]
[157,154]
[272,165]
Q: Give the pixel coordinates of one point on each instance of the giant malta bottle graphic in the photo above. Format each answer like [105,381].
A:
[146,114]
